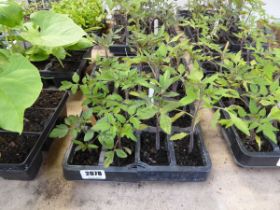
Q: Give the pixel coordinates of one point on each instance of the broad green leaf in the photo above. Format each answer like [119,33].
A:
[20,86]
[274,114]
[81,44]
[89,135]
[76,78]
[162,50]
[242,125]
[120,153]
[11,13]
[107,139]
[146,113]
[109,158]
[190,98]
[165,123]
[59,131]
[101,125]
[196,74]
[52,30]
[253,107]
[178,136]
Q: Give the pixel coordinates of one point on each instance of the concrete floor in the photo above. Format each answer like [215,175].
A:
[227,188]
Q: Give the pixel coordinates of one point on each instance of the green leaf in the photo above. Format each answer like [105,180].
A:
[11,13]
[253,107]
[109,158]
[66,85]
[92,146]
[120,153]
[59,131]
[52,30]
[102,125]
[178,136]
[162,50]
[20,86]
[274,114]
[81,44]
[127,150]
[76,78]
[89,135]
[270,132]
[259,142]
[165,123]
[196,74]
[190,98]
[240,124]
[136,123]
[177,116]
[146,113]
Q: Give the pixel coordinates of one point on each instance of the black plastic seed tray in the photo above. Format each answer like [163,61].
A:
[53,73]
[139,170]
[28,169]
[248,159]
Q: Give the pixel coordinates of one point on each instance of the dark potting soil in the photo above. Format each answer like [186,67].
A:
[150,122]
[75,56]
[35,120]
[210,67]
[182,156]
[42,65]
[68,66]
[48,99]
[148,152]
[252,146]
[86,158]
[130,158]
[15,148]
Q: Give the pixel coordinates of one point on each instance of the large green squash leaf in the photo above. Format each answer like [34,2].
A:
[20,86]
[11,14]
[52,30]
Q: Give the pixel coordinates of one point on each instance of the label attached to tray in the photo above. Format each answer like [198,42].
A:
[278,163]
[93,174]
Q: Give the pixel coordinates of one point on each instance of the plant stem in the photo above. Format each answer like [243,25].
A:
[193,126]
[157,134]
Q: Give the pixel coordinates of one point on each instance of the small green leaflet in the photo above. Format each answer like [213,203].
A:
[178,136]
[120,153]
[60,131]
[240,124]
[165,123]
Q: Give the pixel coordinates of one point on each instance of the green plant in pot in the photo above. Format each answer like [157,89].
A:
[89,14]
[20,82]
[255,112]
[108,118]
[45,34]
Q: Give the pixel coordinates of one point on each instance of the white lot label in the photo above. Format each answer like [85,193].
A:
[93,174]
[278,163]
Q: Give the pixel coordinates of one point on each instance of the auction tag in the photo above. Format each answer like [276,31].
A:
[93,174]
[278,163]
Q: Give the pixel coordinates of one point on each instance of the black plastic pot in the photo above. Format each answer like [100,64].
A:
[140,171]
[28,169]
[245,158]
[53,73]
